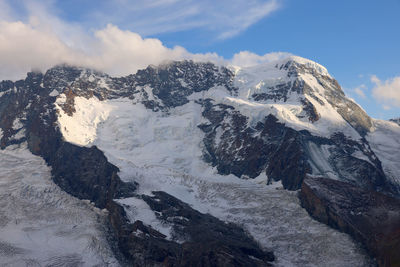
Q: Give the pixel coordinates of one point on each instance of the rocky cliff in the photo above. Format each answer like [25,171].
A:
[368,216]
[141,146]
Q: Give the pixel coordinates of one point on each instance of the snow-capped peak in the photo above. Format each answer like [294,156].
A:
[308,64]
[291,63]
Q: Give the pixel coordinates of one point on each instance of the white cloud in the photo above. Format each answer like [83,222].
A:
[223,18]
[387,92]
[360,90]
[247,59]
[24,47]
[43,40]
[28,46]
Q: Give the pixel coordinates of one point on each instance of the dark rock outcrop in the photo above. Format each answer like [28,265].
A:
[369,217]
[310,110]
[208,241]
[169,84]
[85,173]
[236,147]
[232,143]
[396,120]
[174,82]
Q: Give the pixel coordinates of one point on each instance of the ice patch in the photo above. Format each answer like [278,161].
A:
[17,124]
[81,127]
[54,93]
[137,209]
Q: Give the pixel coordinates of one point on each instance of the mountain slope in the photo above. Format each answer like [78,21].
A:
[42,225]
[191,130]
[240,113]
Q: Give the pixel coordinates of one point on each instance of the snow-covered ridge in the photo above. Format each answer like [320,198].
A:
[261,90]
[286,62]
[310,64]
[149,126]
[304,101]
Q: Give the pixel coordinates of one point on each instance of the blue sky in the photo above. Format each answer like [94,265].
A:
[358,41]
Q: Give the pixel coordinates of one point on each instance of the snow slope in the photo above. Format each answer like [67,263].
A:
[81,128]
[263,78]
[41,225]
[385,142]
[164,153]
[249,80]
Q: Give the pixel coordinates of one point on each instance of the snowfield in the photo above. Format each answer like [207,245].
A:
[41,225]
[164,153]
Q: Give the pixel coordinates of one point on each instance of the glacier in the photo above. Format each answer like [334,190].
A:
[41,225]
[158,143]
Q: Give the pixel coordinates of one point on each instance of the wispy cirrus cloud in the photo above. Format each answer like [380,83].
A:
[223,18]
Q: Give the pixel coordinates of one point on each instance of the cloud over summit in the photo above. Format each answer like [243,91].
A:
[41,39]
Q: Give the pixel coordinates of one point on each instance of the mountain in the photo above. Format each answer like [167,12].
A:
[190,162]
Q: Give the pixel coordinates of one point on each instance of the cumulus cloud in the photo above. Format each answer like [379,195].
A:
[43,40]
[24,47]
[247,59]
[387,92]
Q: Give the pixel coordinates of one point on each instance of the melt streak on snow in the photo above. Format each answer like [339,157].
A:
[41,225]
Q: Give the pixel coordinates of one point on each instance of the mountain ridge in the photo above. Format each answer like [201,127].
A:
[175,127]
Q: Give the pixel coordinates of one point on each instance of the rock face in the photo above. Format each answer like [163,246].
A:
[333,94]
[84,172]
[234,142]
[283,153]
[370,217]
[396,120]
[284,121]
[211,242]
